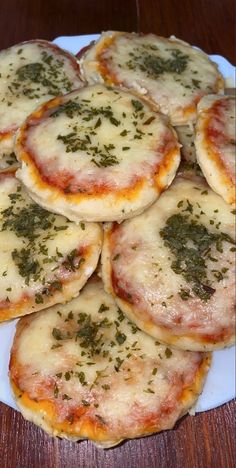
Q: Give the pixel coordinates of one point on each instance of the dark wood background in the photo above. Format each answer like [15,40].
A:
[209,24]
[206,440]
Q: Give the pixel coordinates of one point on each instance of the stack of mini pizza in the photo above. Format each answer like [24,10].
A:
[90,158]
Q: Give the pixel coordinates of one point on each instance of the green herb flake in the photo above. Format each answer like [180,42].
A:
[57,285]
[55,346]
[57,334]
[114,121]
[106,387]
[103,308]
[66,397]
[196,83]
[149,120]
[98,123]
[120,337]
[116,257]
[120,315]
[85,403]
[38,298]
[190,261]
[119,363]
[138,106]
[184,294]
[168,353]
[56,390]
[81,377]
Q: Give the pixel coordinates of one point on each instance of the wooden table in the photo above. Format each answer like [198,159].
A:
[206,440]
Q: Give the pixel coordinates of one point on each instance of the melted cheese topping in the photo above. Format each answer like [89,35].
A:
[189,167]
[84,370]
[31,73]
[215,143]
[104,149]
[173,272]
[169,72]
[186,138]
[42,254]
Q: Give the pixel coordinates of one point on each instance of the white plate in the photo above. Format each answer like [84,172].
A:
[220,384]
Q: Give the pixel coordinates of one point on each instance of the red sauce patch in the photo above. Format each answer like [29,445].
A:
[75,414]
[63,180]
[223,335]
[66,181]
[123,291]
[6,174]
[215,131]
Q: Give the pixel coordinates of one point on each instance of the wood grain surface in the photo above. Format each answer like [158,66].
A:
[208,439]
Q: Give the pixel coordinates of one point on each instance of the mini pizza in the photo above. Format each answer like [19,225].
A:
[82,370]
[97,154]
[172,269]
[31,73]
[168,72]
[215,144]
[44,259]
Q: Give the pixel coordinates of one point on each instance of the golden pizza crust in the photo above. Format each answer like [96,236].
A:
[215,144]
